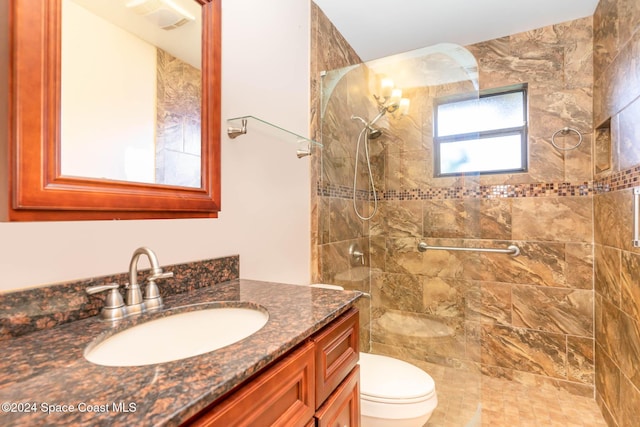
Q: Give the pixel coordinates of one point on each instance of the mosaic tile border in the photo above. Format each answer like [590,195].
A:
[562,189]
[340,191]
[614,181]
[621,180]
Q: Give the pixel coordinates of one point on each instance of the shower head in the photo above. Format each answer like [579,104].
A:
[374,133]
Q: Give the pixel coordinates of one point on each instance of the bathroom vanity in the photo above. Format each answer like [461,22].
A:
[319,380]
[299,369]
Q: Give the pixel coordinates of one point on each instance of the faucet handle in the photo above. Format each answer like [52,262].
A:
[152,298]
[114,307]
[160,275]
[101,288]
[114,299]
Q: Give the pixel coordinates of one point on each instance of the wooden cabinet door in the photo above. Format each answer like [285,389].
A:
[337,353]
[284,395]
[342,409]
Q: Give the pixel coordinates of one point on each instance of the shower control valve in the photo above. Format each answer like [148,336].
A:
[356,254]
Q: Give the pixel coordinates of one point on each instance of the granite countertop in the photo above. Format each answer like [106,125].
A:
[46,380]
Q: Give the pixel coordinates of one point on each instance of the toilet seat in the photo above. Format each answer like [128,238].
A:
[385,379]
[395,401]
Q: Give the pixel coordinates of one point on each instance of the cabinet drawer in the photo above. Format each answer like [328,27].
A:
[337,352]
[343,407]
[284,395]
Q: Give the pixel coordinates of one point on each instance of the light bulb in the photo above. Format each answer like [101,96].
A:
[396,94]
[386,87]
[404,106]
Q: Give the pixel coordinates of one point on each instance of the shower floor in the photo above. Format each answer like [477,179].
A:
[505,403]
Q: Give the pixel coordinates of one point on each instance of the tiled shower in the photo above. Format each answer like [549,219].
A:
[564,313]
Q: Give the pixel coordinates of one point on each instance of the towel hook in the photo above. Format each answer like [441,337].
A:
[564,131]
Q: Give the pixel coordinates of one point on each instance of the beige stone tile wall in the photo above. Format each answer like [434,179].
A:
[617,262]
[514,317]
[527,317]
[178,135]
[530,318]
[329,51]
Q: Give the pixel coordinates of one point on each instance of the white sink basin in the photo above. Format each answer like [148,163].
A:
[178,336]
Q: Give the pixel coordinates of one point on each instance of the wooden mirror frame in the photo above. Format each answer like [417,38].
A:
[37,190]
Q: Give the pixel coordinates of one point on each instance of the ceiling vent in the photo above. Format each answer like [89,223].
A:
[162,13]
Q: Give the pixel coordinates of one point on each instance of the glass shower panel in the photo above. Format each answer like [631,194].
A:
[424,305]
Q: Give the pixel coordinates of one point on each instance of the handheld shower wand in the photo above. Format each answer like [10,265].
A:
[369,133]
[366,131]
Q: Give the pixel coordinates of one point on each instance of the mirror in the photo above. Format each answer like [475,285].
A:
[130,90]
[122,131]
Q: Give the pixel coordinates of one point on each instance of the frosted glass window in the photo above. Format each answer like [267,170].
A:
[473,155]
[487,113]
[484,135]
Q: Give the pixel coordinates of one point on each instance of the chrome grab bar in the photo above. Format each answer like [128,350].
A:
[512,250]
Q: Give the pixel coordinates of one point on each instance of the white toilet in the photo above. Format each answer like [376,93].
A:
[393,393]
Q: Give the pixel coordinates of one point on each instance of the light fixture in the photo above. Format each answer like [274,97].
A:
[390,100]
[166,14]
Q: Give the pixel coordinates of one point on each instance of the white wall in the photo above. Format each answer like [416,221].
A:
[108,77]
[265,189]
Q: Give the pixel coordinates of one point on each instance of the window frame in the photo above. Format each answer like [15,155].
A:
[492,133]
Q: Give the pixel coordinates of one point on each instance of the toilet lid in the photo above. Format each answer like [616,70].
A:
[386,378]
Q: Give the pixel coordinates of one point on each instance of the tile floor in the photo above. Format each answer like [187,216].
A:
[505,403]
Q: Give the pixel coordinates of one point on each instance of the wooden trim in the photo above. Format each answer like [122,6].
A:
[37,189]
[5,43]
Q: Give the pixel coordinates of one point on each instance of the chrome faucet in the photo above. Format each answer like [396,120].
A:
[152,299]
[115,308]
